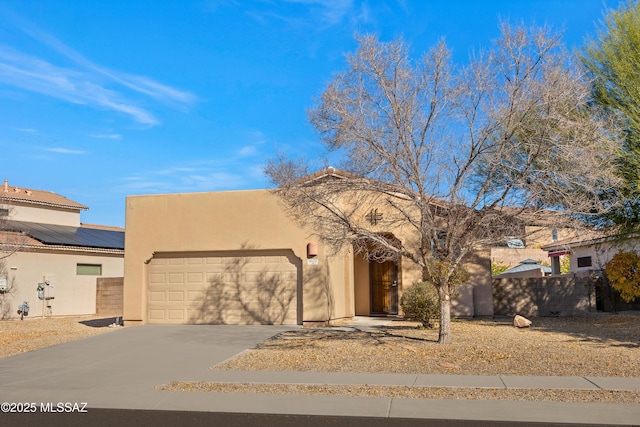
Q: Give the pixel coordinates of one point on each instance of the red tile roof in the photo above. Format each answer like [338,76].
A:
[10,193]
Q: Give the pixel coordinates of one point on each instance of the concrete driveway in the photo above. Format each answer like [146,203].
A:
[117,372]
[120,369]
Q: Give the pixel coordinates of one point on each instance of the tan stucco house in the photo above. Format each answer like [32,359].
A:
[42,241]
[235,257]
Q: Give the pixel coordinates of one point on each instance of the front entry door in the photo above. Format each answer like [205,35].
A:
[384,287]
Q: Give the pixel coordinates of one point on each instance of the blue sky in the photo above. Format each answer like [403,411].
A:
[100,100]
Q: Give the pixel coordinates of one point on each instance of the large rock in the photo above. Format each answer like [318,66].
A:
[521,322]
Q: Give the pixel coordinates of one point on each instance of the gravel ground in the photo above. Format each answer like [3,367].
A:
[20,336]
[603,345]
[554,395]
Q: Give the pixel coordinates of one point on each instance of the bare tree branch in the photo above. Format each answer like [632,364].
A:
[456,158]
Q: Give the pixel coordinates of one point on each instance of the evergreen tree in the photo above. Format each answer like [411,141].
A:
[613,60]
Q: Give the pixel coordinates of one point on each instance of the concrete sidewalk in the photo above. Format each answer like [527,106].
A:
[122,370]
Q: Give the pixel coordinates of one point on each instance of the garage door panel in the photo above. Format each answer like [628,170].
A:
[176,296]
[176,278]
[214,277]
[157,296]
[157,278]
[176,314]
[195,277]
[155,315]
[254,276]
[232,277]
[196,296]
[248,289]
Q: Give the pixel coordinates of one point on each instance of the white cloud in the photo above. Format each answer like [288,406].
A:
[333,11]
[86,83]
[247,151]
[61,150]
[227,174]
[243,169]
[106,135]
[36,75]
[317,14]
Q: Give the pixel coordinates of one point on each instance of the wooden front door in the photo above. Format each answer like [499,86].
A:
[384,287]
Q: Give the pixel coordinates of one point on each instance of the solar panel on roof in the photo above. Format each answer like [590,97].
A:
[53,234]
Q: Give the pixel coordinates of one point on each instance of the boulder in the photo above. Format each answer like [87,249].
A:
[521,322]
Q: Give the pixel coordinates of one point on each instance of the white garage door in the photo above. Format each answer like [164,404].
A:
[224,288]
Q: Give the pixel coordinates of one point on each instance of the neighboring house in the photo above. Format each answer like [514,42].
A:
[45,245]
[527,268]
[535,231]
[588,256]
[236,257]
[591,251]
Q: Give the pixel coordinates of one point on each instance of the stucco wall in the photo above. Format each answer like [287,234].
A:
[564,295]
[74,295]
[109,298]
[224,221]
[601,253]
[512,257]
[362,286]
[43,214]
[473,299]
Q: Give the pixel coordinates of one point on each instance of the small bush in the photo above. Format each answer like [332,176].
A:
[623,272]
[497,268]
[420,303]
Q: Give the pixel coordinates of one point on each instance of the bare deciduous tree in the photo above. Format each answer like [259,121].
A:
[457,157]
[10,243]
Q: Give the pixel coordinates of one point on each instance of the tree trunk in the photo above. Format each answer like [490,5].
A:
[444,336]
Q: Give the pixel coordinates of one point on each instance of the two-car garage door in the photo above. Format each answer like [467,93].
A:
[248,287]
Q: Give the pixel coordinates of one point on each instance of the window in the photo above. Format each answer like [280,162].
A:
[4,212]
[89,269]
[584,261]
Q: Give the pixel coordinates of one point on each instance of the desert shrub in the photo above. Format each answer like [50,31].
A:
[623,272]
[498,267]
[420,303]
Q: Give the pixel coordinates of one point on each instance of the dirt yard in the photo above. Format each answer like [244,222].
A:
[19,336]
[603,345]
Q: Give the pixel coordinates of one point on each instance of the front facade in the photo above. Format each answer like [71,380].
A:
[592,251]
[50,260]
[236,258]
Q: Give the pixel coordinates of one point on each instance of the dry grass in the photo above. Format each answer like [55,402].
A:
[594,345]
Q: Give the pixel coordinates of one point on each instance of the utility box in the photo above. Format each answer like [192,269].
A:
[50,287]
